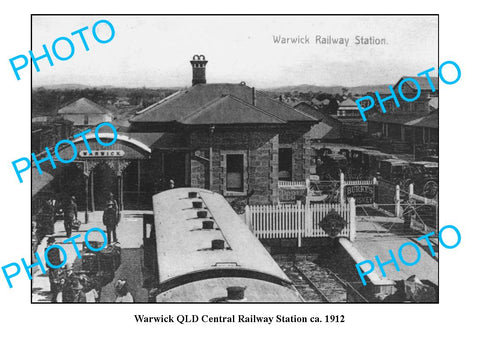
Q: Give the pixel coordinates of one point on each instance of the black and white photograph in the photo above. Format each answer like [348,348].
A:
[238,174]
[226,159]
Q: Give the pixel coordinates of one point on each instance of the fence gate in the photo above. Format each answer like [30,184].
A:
[302,221]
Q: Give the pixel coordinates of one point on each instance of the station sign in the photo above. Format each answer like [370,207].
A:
[362,193]
[292,194]
[102,153]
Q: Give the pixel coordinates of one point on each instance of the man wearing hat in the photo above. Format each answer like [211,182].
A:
[121,290]
[110,221]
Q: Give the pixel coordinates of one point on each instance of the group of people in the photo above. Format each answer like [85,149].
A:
[68,286]
[65,285]
[47,216]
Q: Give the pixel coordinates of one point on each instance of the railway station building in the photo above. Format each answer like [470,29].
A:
[229,138]
[237,141]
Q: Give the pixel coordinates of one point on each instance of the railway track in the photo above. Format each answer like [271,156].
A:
[316,283]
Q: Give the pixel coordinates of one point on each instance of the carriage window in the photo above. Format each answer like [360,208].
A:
[285,164]
[235,170]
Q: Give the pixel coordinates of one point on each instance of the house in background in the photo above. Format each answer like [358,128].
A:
[348,109]
[47,131]
[413,124]
[84,113]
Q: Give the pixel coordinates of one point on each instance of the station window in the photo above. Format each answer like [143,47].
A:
[285,164]
[235,170]
[85,119]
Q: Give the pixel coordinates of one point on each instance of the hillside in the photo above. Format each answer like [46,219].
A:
[361,90]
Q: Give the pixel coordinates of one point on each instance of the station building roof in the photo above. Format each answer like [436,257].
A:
[220,103]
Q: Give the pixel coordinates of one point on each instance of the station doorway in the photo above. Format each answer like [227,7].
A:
[103,180]
[175,167]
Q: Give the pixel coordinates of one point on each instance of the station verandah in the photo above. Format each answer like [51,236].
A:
[133,169]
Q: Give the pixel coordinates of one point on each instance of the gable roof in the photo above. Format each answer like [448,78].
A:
[310,110]
[326,128]
[348,103]
[199,102]
[422,81]
[230,110]
[83,106]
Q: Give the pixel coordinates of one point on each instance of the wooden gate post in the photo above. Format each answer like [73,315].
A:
[353,221]
[410,190]
[342,186]
[375,192]
[397,201]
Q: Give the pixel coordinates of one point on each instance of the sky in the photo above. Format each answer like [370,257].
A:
[155,51]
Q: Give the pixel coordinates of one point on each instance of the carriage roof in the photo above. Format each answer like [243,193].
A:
[184,248]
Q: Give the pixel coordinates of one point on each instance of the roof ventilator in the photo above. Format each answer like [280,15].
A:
[236,293]
[218,244]
[202,214]
[207,225]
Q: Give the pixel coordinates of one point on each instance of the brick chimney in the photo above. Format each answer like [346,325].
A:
[198,67]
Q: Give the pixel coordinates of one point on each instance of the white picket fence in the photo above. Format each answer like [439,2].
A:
[292,184]
[297,221]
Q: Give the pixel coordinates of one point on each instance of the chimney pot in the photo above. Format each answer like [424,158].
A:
[199,63]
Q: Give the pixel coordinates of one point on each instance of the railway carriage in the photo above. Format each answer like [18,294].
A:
[204,252]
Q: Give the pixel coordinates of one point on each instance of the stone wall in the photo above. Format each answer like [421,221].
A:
[261,150]
[299,139]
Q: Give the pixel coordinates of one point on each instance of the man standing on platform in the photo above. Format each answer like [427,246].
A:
[110,219]
[69,214]
[45,220]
